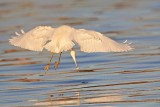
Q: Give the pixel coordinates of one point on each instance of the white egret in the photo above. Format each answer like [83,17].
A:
[63,38]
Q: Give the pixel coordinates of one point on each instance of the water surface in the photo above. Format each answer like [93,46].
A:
[128,79]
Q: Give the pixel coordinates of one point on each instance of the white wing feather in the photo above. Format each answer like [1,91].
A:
[34,39]
[92,41]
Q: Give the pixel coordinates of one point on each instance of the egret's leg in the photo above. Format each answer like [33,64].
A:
[48,65]
[73,54]
[57,62]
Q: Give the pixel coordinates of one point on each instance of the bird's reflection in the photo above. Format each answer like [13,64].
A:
[77,100]
[53,101]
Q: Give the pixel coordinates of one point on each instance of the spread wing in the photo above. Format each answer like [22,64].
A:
[33,40]
[92,41]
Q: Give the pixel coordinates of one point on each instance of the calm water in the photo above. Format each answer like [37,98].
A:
[130,79]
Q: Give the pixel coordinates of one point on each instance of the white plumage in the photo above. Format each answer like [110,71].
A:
[33,40]
[92,41]
[64,38]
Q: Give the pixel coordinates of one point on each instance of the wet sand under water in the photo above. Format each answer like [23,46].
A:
[129,79]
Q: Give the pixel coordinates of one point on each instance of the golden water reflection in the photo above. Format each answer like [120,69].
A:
[76,100]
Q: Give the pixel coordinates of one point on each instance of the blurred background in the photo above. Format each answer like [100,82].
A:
[128,79]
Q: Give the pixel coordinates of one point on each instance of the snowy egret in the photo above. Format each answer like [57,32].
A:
[63,38]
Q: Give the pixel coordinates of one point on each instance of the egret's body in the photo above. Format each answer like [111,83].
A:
[64,38]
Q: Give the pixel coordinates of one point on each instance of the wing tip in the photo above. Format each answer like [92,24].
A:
[128,47]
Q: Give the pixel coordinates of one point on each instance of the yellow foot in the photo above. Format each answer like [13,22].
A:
[46,68]
[56,65]
[77,68]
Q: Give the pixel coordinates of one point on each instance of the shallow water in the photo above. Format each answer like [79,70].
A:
[128,79]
